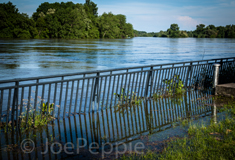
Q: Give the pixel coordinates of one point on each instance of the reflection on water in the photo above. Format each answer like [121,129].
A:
[121,124]
[37,57]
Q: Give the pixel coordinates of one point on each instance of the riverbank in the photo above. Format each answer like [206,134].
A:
[215,141]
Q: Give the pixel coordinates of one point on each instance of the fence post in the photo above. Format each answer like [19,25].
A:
[188,72]
[147,82]
[216,77]
[95,91]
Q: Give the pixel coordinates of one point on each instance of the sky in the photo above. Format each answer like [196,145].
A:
[155,15]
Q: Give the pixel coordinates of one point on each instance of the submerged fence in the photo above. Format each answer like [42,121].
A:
[114,125]
[86,91]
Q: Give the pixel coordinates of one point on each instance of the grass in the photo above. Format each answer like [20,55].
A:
[215,141]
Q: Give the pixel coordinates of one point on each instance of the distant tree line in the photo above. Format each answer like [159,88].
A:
[201,31]
[63,20]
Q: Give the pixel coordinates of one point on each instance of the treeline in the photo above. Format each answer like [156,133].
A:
[201,31]
[63,20]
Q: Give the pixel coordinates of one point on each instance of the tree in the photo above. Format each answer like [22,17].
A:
[173,31]
[174,27]
[14,24]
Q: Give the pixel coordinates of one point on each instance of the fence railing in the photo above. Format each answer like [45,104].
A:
[86,91]
[113,125]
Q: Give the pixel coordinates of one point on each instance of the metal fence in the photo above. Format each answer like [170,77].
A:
[86,91]
[113,125]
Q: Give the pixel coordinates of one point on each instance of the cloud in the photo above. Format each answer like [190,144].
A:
[187,22]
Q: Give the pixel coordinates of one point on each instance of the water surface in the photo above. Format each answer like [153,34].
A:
[39,57]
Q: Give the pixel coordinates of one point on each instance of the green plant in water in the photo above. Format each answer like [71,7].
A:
[123,97]
[34,119]
[44,108]
[174,85]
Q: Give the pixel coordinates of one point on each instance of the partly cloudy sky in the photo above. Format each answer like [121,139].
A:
[156,15]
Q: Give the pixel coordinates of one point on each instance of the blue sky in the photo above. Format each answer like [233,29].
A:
[156,15]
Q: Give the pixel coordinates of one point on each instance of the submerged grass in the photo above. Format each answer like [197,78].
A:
[215,141]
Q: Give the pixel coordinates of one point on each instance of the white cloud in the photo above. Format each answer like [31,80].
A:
[187,22]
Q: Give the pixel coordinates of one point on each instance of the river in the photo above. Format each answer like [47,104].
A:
[40,57]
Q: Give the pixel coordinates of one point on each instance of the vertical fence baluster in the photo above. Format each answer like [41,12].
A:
[117,90]
[136,84]
[66,95]
[155,80]
[91,98]
[96,90]
[99,94]
[54,100]
[124,88]
[21,104]
[71,98]
[142,90]
[75,107]
[83,81]
[158,83]
[35,100]
[114,81]
[43,88]
[128,92]
[61,92]
[87,90]
[133,81]
[107,102]
[13,110]
[1,100]
[16,105]
[27,112]
[147,85]
[139,90]
[48,99]
[188,73]
[119,99]
[8,108]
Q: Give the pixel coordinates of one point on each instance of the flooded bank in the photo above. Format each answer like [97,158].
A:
[113,131]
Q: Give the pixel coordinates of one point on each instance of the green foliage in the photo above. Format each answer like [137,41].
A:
[124,97]
[34,119]
[174,85]
[14,24]
[63,20]
[45,106]
[201,31]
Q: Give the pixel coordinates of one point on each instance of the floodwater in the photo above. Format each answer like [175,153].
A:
[113,130]
[119,128]
[41,57]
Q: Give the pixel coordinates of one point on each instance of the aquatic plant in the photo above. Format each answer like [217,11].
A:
[31,118]
[172,86]
[124,97]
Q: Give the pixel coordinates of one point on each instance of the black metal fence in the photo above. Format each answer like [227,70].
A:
[86,91]
[113,125]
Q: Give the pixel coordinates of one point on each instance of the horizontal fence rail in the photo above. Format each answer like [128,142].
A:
[96,90]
